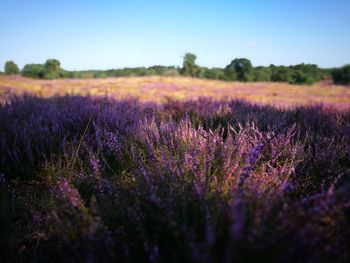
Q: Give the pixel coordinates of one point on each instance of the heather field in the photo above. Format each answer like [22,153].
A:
[149,179]
[175,131]
[159,89]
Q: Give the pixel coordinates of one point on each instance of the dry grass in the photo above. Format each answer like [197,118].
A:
[159,89]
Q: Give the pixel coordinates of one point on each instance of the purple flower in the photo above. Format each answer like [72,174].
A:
[255,154]
[68,193]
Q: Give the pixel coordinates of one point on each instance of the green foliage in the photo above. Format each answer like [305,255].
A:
[281,74]
[306,74]
[100,74]
[300,77]
[341,75]
[36,71]
[52,69]
[240,69]
[11,68]
[214,73]
[189,66]
[262,74]
[162,71]
[171,72]
[140,71]
[66,74]
[52,65]
[298,74]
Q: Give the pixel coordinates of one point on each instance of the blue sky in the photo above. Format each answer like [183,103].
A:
[113,34]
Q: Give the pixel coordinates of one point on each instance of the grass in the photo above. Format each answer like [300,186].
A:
[159,89]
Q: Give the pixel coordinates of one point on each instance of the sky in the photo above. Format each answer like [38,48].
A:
[101,34]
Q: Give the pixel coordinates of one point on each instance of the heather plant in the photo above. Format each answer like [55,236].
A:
[85,179]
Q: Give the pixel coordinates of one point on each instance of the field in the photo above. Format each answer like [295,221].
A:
[159,89]
[145,170]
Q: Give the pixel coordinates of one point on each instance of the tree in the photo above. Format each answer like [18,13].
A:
[52,65]
[214,73]
[189,65]
[11,68]
[300,77]
[306,74]
[281,74]
[52,69]
[262,74]
[240,69]
[341,75]
[36,71]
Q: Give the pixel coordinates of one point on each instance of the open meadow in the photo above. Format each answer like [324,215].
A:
[160,89]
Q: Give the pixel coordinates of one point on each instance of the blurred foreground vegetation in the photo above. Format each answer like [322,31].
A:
[86,179]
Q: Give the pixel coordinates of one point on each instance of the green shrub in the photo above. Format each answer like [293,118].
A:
[36,71]
[262,74]
[341,75]
[240,69]
[11,68]
[189,66]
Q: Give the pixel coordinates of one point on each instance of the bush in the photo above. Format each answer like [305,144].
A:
[300,77]
[11,68]
[240,69]
[262,74]
[281,74]
[52,69]
[341,75]
[213,73]
[36,71]
[189,66]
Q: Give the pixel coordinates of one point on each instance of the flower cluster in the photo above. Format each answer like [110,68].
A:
[101,180]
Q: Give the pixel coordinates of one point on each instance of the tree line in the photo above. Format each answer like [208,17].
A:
[240,69]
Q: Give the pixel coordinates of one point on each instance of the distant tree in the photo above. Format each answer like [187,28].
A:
[281,74]
[262,74]
[229,74]
[306,73]
[341,75]
[67,74]
[301,77]
[157,70]
[241,69]
[141,71]
[11,68]
[171,72]
[189,65]
[52,69]
[100,74]
[52,65]
[36,71]
[201,72]
[214,73]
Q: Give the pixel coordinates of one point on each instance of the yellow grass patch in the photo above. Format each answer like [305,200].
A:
[159,89]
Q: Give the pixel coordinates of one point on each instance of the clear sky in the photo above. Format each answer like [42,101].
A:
[101,34]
